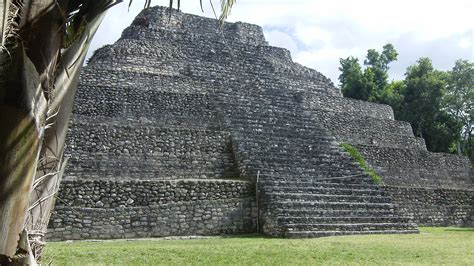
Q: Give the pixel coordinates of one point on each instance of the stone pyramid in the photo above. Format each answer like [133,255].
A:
[183,127]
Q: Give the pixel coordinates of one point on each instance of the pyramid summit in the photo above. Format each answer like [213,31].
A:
[183,127]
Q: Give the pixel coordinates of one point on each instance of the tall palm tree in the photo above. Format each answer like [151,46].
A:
[43,46]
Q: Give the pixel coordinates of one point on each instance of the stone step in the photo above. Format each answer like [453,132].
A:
[329,205]
[335,212]
[342,190]
[310,175]
[294,155]
[250,102]
[286,220]
[275,138]
[348,226]
[313,177]
[283,130]
[302,197]
[316,165]
[274,118]
[300,130]
[312,234]
[292,164]
[305,148]
[299,160]
[267,182]
[285,152]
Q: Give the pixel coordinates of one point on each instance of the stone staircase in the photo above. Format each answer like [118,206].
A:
[308,209]
[308,186]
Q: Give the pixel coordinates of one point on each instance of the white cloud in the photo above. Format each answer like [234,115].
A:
[283,39]
[319,32]
[312,35]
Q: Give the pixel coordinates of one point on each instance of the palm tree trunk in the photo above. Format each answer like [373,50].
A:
[22,112]
[31,43]
[52,165]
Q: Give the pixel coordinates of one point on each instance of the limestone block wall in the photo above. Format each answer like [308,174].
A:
[154,19]
[133,209]
[218,68]
[93,76]
[218,59]
[146,105]
[367,130]
[135,193]
[107,138]
[146,151]
[418,167]
[434,206]
[314,101]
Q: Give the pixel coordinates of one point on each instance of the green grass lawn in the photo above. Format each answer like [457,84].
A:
[453,246]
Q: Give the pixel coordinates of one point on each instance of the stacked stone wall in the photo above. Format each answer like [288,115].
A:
[348,106]
[418,167]
[217,61]
[154,19]
[434,206]
[144,104]
[137,151]
[132,209]
[350,127]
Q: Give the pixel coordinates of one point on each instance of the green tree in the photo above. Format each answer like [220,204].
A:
[43,46]
[459,103]
[422,106]
[393,95]
[378,64]
[443,134]
[369,84]
[352,85]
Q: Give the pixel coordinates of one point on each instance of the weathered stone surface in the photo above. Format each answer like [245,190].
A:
[175,121]
[435,206]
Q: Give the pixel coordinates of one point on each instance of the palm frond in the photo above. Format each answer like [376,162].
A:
[226,6]
[4,13]
[80,13]
[213,9]
[146,5]
[9,25]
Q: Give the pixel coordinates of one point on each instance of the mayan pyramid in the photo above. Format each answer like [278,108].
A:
[182,127]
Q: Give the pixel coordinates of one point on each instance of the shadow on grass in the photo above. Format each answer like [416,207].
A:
[438,230]
[256,235]
[460,229]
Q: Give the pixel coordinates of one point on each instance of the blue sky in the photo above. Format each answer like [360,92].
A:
[318,33]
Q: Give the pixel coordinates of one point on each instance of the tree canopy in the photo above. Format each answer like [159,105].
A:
[438,104]
[367,84]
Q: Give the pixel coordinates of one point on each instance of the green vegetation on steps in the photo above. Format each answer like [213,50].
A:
[434,246]
[360,159]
